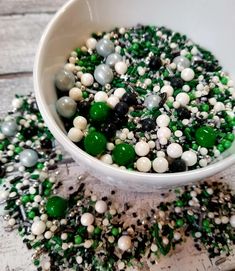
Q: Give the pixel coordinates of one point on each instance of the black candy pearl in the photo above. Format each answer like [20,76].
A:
[46,144]
[30,132]
[83,108]
[117,120]
[178,165]
[183,113]
[155,63]
[176,82]
[2,171]
[129,98]
[121,109]
[148,124]
[109,130]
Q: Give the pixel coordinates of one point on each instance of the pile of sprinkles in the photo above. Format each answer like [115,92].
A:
[148,99]
[82,232]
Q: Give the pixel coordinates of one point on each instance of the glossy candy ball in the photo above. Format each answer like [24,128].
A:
[160,165]
[121,109]
[143,164]
[64,80]
[152,101]
[124,243]
[66,107]
[174,150]
[142,148]
[103,74]
[9,128]
[87,219]
[101,206]
[187,74]
[178,165]
[123,154]
[56,207]
[205,136]
[104,47]
[155,63]
[181,62]
[112,59]
[38,227]
[28,158]
[148,124]
[99,112]
[95,143]
[189,157]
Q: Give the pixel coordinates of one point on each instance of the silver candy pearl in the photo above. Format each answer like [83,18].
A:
[103,74]
[181,62]
[66,107]
[9,128]
[196,58]
[152,101]
[64,80]
[104,47]
[112,59]
[28,158]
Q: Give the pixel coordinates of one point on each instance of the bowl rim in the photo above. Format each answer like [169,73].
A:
[150,178]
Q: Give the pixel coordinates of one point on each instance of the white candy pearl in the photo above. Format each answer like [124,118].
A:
[17,103]
[91,43]
[101,96]
[163,120]
[101,206]
[143,164]
[124,243]
[79,259]
[75,94]
[107,159]
[232,221]
[75,134]
[121,67]
[219,107]
[142,148]
[177,236]
[119,92]
[112,101]
[190,158]
[80,122]
[182,98]
[174,150]
[48,234]
[168,89]
[87,219]
[11,222]
[3,195]
[87,79]
[164,132]
[187,74]
[160,164]
[38,227]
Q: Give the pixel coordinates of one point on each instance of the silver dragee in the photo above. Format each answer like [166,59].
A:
[152,101]
[103,74]
[112,59]
[181,62]
[66,107]
[64,80]
[104,47]
[28,158]
[9,128]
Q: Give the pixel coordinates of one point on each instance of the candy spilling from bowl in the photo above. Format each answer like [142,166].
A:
[148,99]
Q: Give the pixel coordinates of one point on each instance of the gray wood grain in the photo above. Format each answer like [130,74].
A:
[20,35]
[10,7]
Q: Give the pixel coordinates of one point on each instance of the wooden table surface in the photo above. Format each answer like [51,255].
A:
[21,25]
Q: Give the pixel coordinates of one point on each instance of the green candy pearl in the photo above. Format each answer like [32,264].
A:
[99,112]
[115,231]
[179,222]
[56,206]
[205,136]
[78,240]
[95,143]
[123,154]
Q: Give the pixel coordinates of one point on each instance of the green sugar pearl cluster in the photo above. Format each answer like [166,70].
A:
[147,98]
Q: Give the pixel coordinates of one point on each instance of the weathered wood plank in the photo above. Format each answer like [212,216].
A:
[11,85]
[29,6]
[20,35]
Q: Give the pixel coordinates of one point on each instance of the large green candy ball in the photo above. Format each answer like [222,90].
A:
[99,112]
[123,154]
[95,143]
[56,207]
[205,136]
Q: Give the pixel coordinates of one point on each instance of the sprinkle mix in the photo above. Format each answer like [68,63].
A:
[83,232]
[147,99]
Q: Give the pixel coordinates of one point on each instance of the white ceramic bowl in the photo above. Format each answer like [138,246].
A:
[208,22]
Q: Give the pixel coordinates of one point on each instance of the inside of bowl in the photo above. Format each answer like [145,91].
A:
[209,23]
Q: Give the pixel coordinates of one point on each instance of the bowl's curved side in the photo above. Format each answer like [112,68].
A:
[56,41]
